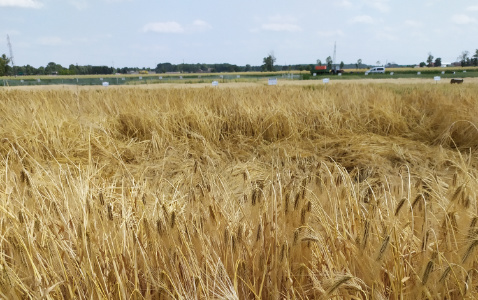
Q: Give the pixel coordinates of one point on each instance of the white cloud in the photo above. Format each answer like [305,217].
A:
[344,4]
[79,4]
[175,27]
[462,19]
[200,25]
[163,27]
[331,33]
[281,27]
[362,19]
[412,23]
[387,36]
[51,41]
[380,5]
[21,3]
[472,8]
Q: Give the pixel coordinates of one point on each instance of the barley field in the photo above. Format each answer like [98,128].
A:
[345,191]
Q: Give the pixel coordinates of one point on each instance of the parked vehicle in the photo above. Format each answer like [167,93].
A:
[324,70]
[376,70]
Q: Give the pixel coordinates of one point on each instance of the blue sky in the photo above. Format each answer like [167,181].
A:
[143,33]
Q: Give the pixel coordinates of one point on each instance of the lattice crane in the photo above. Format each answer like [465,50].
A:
[11,54]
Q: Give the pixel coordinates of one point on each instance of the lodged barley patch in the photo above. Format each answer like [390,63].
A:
[346,191]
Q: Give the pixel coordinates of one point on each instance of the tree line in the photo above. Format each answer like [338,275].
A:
[52,68]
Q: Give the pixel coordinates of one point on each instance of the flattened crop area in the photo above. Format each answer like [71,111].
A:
[346,190]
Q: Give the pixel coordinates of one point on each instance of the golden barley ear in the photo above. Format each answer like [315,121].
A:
[427,272]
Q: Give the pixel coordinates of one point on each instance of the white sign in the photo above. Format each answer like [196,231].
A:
[391,73]
[38,80]
[221,76]
[140,77]
[325,80]
[437,78]
[315,74]
[122,78]
[340,74]
[180,77]
[160,77]
[215,83]
[464,71]
[238,76]
[21,81]
[272,81]
[101,79]
[106,83]
[366,73]
[442,72]
[418,73]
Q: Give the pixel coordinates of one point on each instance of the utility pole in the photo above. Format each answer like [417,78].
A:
[11,54]
[335,53]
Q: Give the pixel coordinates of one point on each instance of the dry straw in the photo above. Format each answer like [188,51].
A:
[239,193]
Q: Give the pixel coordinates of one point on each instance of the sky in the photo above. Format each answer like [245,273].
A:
[143,33]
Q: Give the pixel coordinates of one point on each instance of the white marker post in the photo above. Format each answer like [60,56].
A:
[437,78]
[106,83]
[326,80]
[215,83]
[272,81]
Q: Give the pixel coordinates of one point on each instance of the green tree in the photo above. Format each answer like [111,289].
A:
[329,62]
[438,62]
[475,58]
[430,59]
[464,58]
[319,62]
[359,62]
[29,70]
[269,63]
[52,68]
[4,67]
[342,65]
[72,69]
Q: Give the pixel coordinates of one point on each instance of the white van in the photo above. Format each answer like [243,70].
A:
[376,70]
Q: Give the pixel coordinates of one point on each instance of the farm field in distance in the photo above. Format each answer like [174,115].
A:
[349,190]
[468,73]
